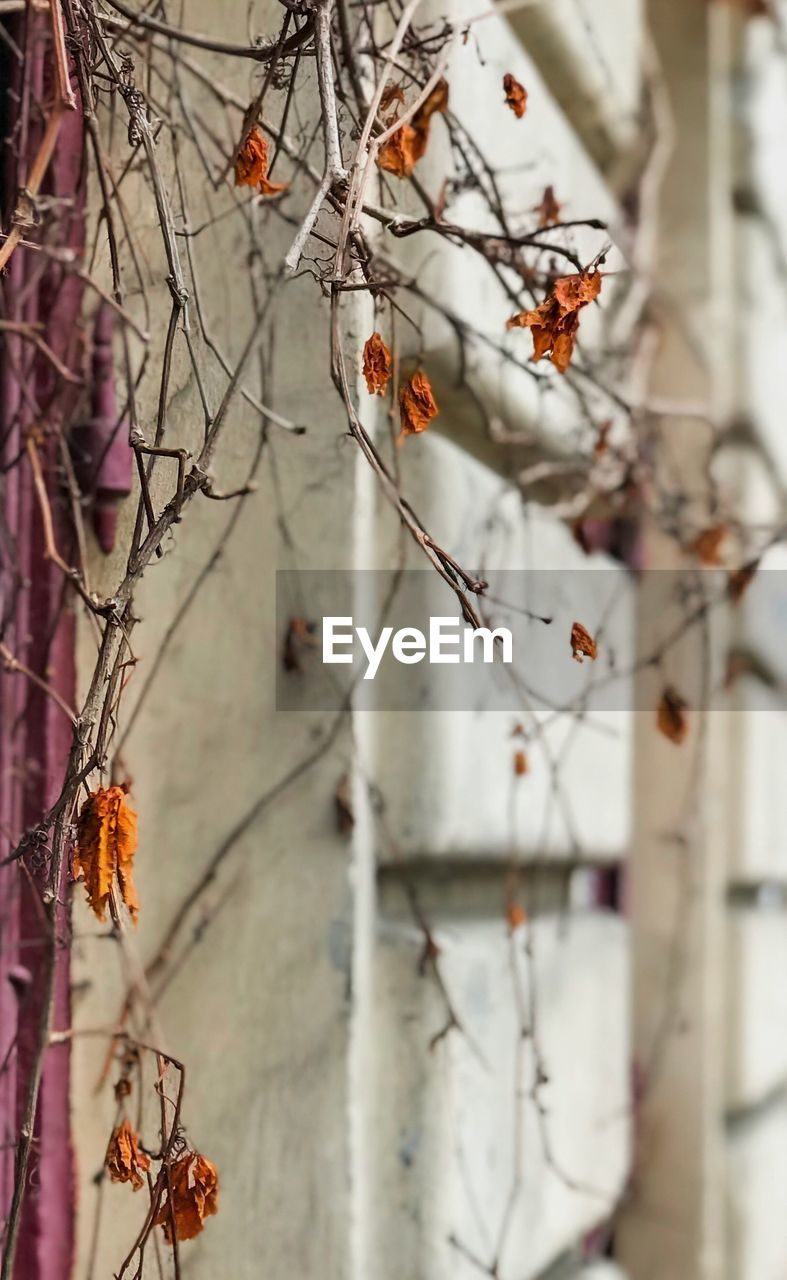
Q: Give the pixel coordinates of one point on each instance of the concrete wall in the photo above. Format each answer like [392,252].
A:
[292,994]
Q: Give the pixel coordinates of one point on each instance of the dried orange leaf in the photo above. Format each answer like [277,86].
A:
[671,717]
[300,636]
[515,915]
[251,162]
[554,322]
[106,844]
[125,1160]
[435,104]
[516,95]
[401,152]
[377,365]
[602,440]
[342,798]
[392,93]
[582,644]
[417,405]
[405,147]
[251,165]
[573,292]
[192,1196]
[707,545]
[521,765]
[739,579]
[549,209]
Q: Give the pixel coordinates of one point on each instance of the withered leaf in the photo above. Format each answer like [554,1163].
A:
[516,915]
[739,579]
[392,93]
[300,636]
[251,165]
[105,848]
[671,717]
[342,799]
[436,103]
[582,644]
[417,404]
[573,292]
[516,95]
[554,322]
[192,1196]
[549,209]
[707,545]
[600,446]
[125,1160]
[400,154]
[521,765]
[405,147]
[377,365]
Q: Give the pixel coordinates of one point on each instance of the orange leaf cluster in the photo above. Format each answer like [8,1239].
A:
[251,165]
[516,95]
[671,717]
[582,644]
[549,209]
[417,405]
[105,848]
[193,1197]
[555,321]
[400,154]
[125,1160]
[377,365]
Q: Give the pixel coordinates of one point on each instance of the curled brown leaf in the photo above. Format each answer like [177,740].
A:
[417,405]
[251,165]
[343,806]
[105,848]
[739,579]
[582,644]
[549,209]
[405,147]
[377,365]
[299,637]
[392,93]
[554,322]
[671,717]
[125,1160]
[516,915]
[707,545]
[192,1196]
[516,95]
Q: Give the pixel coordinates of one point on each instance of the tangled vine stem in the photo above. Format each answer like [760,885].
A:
[340,223]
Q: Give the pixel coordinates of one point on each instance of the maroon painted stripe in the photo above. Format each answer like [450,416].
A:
[35,735]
